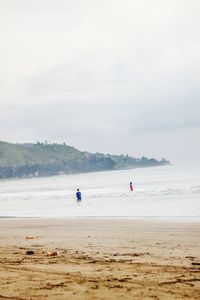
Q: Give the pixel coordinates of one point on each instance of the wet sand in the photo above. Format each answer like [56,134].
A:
[99,259]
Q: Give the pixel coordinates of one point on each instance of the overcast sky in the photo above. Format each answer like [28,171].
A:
[112,76]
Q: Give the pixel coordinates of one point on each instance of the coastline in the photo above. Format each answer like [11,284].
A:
[160,219]
[96,258]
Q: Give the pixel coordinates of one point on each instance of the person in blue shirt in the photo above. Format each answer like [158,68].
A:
[78,195]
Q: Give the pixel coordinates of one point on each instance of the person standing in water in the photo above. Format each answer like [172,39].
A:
[78,195]
[131,187]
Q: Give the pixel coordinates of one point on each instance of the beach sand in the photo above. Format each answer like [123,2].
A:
[99,259]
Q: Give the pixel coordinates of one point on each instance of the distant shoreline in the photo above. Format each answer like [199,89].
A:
[79,173]
[48,159]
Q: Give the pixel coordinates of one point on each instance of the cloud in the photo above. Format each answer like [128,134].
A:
[100,72]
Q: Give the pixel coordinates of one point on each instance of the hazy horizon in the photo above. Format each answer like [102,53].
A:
[103,76]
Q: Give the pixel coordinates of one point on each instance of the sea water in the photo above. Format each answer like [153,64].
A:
[167,191]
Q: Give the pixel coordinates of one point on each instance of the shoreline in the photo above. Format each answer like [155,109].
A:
[99,259]
[138,218]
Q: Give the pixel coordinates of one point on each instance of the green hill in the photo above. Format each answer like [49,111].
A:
[43,159]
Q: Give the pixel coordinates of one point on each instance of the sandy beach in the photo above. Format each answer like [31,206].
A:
[99,259]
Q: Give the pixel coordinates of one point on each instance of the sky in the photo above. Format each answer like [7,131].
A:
[111,76]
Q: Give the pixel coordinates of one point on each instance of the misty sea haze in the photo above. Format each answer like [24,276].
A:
[169,191]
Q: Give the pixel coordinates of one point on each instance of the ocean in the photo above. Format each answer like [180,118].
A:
[168,191]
